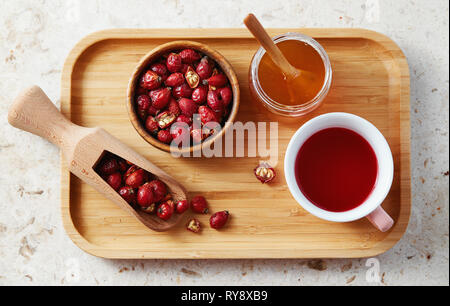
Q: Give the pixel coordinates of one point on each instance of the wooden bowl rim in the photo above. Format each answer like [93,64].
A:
[156,53]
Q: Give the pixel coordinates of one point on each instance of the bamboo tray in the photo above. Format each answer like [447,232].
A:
[371,79]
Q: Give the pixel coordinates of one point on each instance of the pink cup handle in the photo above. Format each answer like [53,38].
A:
[380,219]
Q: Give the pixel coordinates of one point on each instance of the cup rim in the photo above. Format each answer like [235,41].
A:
[378,143]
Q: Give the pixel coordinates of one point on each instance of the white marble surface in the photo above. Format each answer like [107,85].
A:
[36,36]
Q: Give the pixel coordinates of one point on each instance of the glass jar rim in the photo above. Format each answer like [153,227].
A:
[282,108]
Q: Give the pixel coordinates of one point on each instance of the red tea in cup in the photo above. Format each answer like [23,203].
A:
[336,169]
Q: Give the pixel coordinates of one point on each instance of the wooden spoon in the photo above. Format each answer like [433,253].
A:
[293,76]
[82,148]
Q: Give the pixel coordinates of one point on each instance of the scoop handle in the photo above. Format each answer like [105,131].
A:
[380,219]
[32,111]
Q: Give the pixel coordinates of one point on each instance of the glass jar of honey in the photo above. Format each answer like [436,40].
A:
[268,84]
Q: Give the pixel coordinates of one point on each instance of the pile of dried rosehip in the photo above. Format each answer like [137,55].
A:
[137,186]
[177,86]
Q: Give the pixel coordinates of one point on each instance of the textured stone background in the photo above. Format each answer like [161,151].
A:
[35,38]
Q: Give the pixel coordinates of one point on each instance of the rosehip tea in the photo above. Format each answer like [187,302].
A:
[336,169]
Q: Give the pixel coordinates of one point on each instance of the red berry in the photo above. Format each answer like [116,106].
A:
[136,179]
[173,107]
[265,173]
[164,136]
[214,102]
[173,62]
[150,80]
[160,97]
[204,68]
[128,194]
[164,211]
[184,119]
[151,125]
[219,219]
[182,206]
[143,102]
[175,79]
[193,225]
[145,195]
[182,91]
[109,166]
[207,115]
[218,80]
[199,205]
[160,69]
[165,119]
[226,95]
[188,107]
[115,180]
[199,95]
[189,56]
[159,189]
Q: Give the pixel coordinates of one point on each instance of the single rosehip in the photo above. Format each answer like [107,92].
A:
[173,107]
[192,78]
[188,107]
[115,180]
[151,125]
[173,62]
[182,206]
[226,95]
[265,173]
[207,114]
[199,95]
[174,80]
[160,97]
[137,178]
[199,205]
[130,171]
[219,219]
[160,69]
[109,166]
[159,190]
[150,80]
[218,80]
[143,102]
[128,194]
[214,102]
[188,56]
[184,119]
[193,225]
[204,68]
[164,211]
[182,91]
[165,119]
[164,136]
[145,195]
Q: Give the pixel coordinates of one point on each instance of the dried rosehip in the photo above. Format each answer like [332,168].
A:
[159,190]
[193,225]
[150,80]
[188,107]
[218,80]
[160,97]
[207,114]
[145,195]
[175,79]
[204,68]
[184,119]
[219,219]
[160,69]
[109,166]
[164,211]
[165,119]
[123,165]
[199,205]
[189,56]
[265,173]
[151,209]
[182,91]
[128,194]
[214,102]
[173,107]
[143,102]
[164,136]
[173,62]
[226,95]
[199,95]
[137,178]
[192,78]
[182,206]
[115,180]
[151,125]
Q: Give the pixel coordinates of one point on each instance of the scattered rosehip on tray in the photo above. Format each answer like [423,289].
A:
[265,173]
[199,205]
[193,225]
[176,86]
[219,219]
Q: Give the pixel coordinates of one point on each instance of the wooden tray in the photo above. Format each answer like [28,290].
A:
[371,79]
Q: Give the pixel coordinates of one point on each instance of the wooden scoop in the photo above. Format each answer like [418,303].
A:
[294,77]
[82,148]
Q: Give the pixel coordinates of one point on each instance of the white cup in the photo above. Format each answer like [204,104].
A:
[371,207]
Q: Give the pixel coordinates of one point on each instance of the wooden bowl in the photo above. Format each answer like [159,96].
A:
[154,55]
